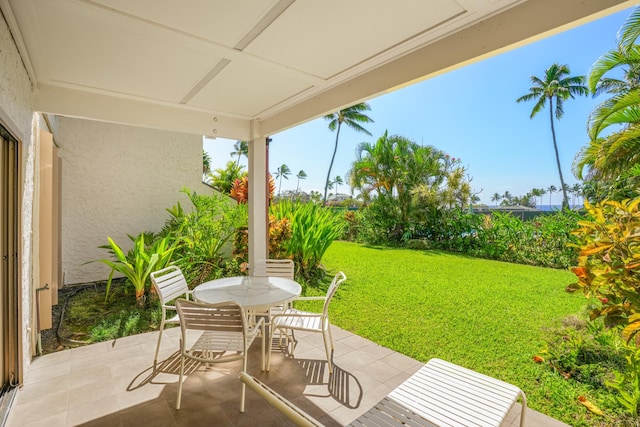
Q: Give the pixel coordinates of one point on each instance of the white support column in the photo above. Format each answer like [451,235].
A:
[258,197]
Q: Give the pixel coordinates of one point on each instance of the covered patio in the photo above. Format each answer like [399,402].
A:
[112,384]
[109,72]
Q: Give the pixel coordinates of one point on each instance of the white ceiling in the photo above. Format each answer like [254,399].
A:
[245,68]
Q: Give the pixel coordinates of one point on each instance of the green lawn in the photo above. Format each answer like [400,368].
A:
[485,315]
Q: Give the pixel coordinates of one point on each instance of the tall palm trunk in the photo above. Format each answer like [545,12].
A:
[565,200]
[335,150]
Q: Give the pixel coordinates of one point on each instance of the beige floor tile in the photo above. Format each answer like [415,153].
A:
[50,405]
[92,411]
[58,420]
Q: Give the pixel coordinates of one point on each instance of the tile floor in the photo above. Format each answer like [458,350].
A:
[112,384]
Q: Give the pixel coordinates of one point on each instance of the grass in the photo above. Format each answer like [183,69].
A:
[490,316]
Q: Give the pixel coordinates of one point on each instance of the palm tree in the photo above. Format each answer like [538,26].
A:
[282,172]
[301,175]
[551,189]
[338,181]
[559,86]
[507,198]
[206,164]
[566,190]
[496,198]
[391,171]
[535,192]
[539,192]
[223,179]
[577,192]
[353,117]
[240,148]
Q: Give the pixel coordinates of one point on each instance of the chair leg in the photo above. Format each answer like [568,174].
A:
[326,350]
[179,398]
[262,347]
[290,341]
[155,358]
[244,369]
[269,347]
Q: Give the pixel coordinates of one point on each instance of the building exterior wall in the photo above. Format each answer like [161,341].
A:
[118,180]
[16,114]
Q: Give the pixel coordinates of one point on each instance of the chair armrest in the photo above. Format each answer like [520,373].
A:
[298,314]
[187,296]
[318,298]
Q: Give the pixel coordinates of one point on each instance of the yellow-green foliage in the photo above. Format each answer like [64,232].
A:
[609,262]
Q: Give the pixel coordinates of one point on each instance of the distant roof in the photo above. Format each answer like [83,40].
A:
[510,208]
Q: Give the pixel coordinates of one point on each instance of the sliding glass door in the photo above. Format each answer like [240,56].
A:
[10,362]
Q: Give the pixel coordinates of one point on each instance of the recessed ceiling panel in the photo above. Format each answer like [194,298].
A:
[245,91]
[125,59]
[222,21]
[342,33]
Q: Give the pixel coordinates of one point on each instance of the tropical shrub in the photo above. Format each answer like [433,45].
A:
[609,262]
[204,232]
[608,268]
[223,179]
[542,241]
[139,262]
[240,189]
[378,222]
[313,229]
[279,233]
[452,230]
[627,382]
[351,225]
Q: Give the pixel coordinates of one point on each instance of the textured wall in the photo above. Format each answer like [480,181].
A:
[16,114]
[118,180]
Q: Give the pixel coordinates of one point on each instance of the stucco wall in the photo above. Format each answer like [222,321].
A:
[118,180]
[16,114]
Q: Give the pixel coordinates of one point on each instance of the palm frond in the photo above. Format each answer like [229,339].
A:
[630,30]
[612,111]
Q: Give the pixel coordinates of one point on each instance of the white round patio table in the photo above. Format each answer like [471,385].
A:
[250,292]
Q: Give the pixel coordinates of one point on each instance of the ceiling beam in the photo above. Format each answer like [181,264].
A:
[94,106]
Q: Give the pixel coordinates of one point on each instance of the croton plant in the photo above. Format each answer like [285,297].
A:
[609,263]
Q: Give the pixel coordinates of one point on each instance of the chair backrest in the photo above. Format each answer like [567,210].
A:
[223,317]
[169,283]
[333,287]
[278,402]
[274,267]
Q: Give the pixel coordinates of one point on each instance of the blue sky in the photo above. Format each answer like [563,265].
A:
[471,114]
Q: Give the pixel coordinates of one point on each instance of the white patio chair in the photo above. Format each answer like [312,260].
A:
[225,336]
[169,284]
[278,268]
[274,267]
[291,320]
[290,411]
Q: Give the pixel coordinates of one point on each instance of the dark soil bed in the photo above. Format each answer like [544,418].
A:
[82,316]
